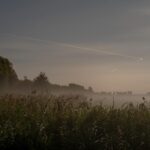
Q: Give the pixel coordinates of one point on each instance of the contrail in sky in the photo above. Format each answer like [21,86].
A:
[103,51]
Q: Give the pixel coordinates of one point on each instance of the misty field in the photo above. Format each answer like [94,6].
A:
[71,123]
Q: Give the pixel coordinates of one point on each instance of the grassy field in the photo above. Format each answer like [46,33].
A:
[71,123]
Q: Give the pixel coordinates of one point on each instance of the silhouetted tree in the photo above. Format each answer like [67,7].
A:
[74,86]
[8,76]
[41,82]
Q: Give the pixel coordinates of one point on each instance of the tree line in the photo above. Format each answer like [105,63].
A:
[9,82]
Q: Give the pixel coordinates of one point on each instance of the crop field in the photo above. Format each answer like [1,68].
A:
[71,123]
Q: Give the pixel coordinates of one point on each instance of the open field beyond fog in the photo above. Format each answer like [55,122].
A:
[119,100]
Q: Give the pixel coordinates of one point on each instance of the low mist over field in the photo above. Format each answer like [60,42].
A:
[75,75]
[40,85]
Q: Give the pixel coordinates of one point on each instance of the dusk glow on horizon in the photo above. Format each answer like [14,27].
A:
[104,44]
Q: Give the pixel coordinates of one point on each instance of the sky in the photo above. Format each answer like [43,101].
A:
[100,43]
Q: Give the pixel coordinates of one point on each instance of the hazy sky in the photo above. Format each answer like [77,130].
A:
[100,43]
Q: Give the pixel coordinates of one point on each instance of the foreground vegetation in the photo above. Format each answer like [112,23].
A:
[64,123]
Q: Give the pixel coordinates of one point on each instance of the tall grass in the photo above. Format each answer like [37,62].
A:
[71,123]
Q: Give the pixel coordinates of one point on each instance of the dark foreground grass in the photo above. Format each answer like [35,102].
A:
[63,123]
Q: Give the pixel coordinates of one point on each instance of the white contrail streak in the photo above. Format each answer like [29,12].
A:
[103,51]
